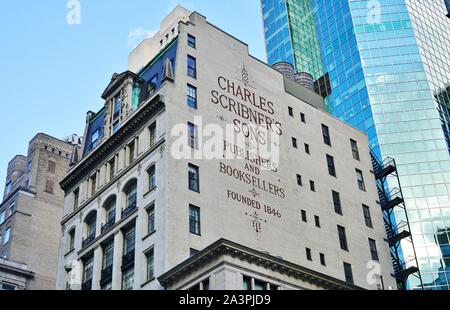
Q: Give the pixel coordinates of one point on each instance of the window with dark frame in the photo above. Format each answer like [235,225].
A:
[88,272]
[194,178]
[71,246]
[360,179]
[151,219]
[373,250]
[129,240]
[342,238]
[312,185]
[367,216]
[304,216]
[355,150]
[337,202]
[193,252]
[152,130]
[76,197]
[348,273]
[152,178]
[192,41]
[317,221]
[307,149]
[191,67]
[131,151]
[303,118]
[150,259]
[193,136]
[326,135]
[291,111]
[192,96]
[308,254]
[294,143]
[322,259]
[331,166]
[299,180]
[194,220]
[108,255]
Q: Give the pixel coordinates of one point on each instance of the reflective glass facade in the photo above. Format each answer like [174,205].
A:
[389,66]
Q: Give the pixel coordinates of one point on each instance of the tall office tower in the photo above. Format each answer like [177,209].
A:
[388,64]
[31,212]
[165,197]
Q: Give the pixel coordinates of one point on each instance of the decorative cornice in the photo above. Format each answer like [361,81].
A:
[102,152]
[228,248]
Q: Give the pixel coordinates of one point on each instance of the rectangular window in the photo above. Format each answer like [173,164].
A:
[355,150]
[303,118]
[71,240]
[116,126]
[367,216]
[108,255]
[95,138]
[49,185]
[128,279]
[7,235]
[322,259]
[192,96]
[152,134]
[294,143]
[192,67]
[150,264]
[342,238]
[291,111]
[8,187]
[308,254]
[29,166]
[131,151]
[51,167]
[112,168]
[193,136]
[331,166]
[312,185]
[192,41]
[194,220]
[88,271]
[307,149]
[117,107]
[326,135]
[360,179]
[152,178]
[348,273]
[299,180]
[373,250]
[304,217]
[151,219]
[317,221]
[194,178]
[93,184]
[2,217]
[129,240]
[337,202]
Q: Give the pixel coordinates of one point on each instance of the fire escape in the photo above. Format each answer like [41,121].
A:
[392,203]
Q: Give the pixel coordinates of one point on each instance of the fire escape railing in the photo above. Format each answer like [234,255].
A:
[392,201]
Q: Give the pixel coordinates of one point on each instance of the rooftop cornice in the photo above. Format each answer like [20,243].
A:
[228,248]
[102,152]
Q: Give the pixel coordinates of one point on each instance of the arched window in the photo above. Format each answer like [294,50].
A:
[110,213]
[152,177]
[71,241]
[131,195]
[91,226]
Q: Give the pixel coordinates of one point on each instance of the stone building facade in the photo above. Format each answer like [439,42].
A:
[31,212]
[155,203]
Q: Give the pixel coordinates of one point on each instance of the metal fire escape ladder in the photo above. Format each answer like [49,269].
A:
[392,201]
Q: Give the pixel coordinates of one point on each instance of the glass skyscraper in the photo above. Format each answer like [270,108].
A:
[389,67]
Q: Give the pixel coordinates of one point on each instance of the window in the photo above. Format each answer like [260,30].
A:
[116,126]
[193,252]
[373,250]
[193,136]
[128,279]
[367,216]
[202,286]
[117,107]
[322,259]
[317,221]
[191,41]
[342,238]
[191,67]
[95,138]
[307,149]
[299,180]
[7,235]
[326,135]
[152,134]
[150,265]
[51,167]
[76,198]
[2,217]
[93,184]
[108,255]
[129,240]
[348,273]
[112,168]
[71,246]
[360,179]
[194,178]
[88,271]
[12,206]
[337,202]
[250,284]
[304,217]
[131,151]
[91,225]
[8,187]
[110,209]
[192,96]
[308,254]
[294,143]
[291,111]
[68,279]
[194,220]
[331,166]
[151,86]
[29,166]
[302,117]
[355,150]
[151,219]
[131,196]
[49,185]
[312,185]
[8,287]
[152,178]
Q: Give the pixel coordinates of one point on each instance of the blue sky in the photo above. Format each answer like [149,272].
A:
[53,73]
